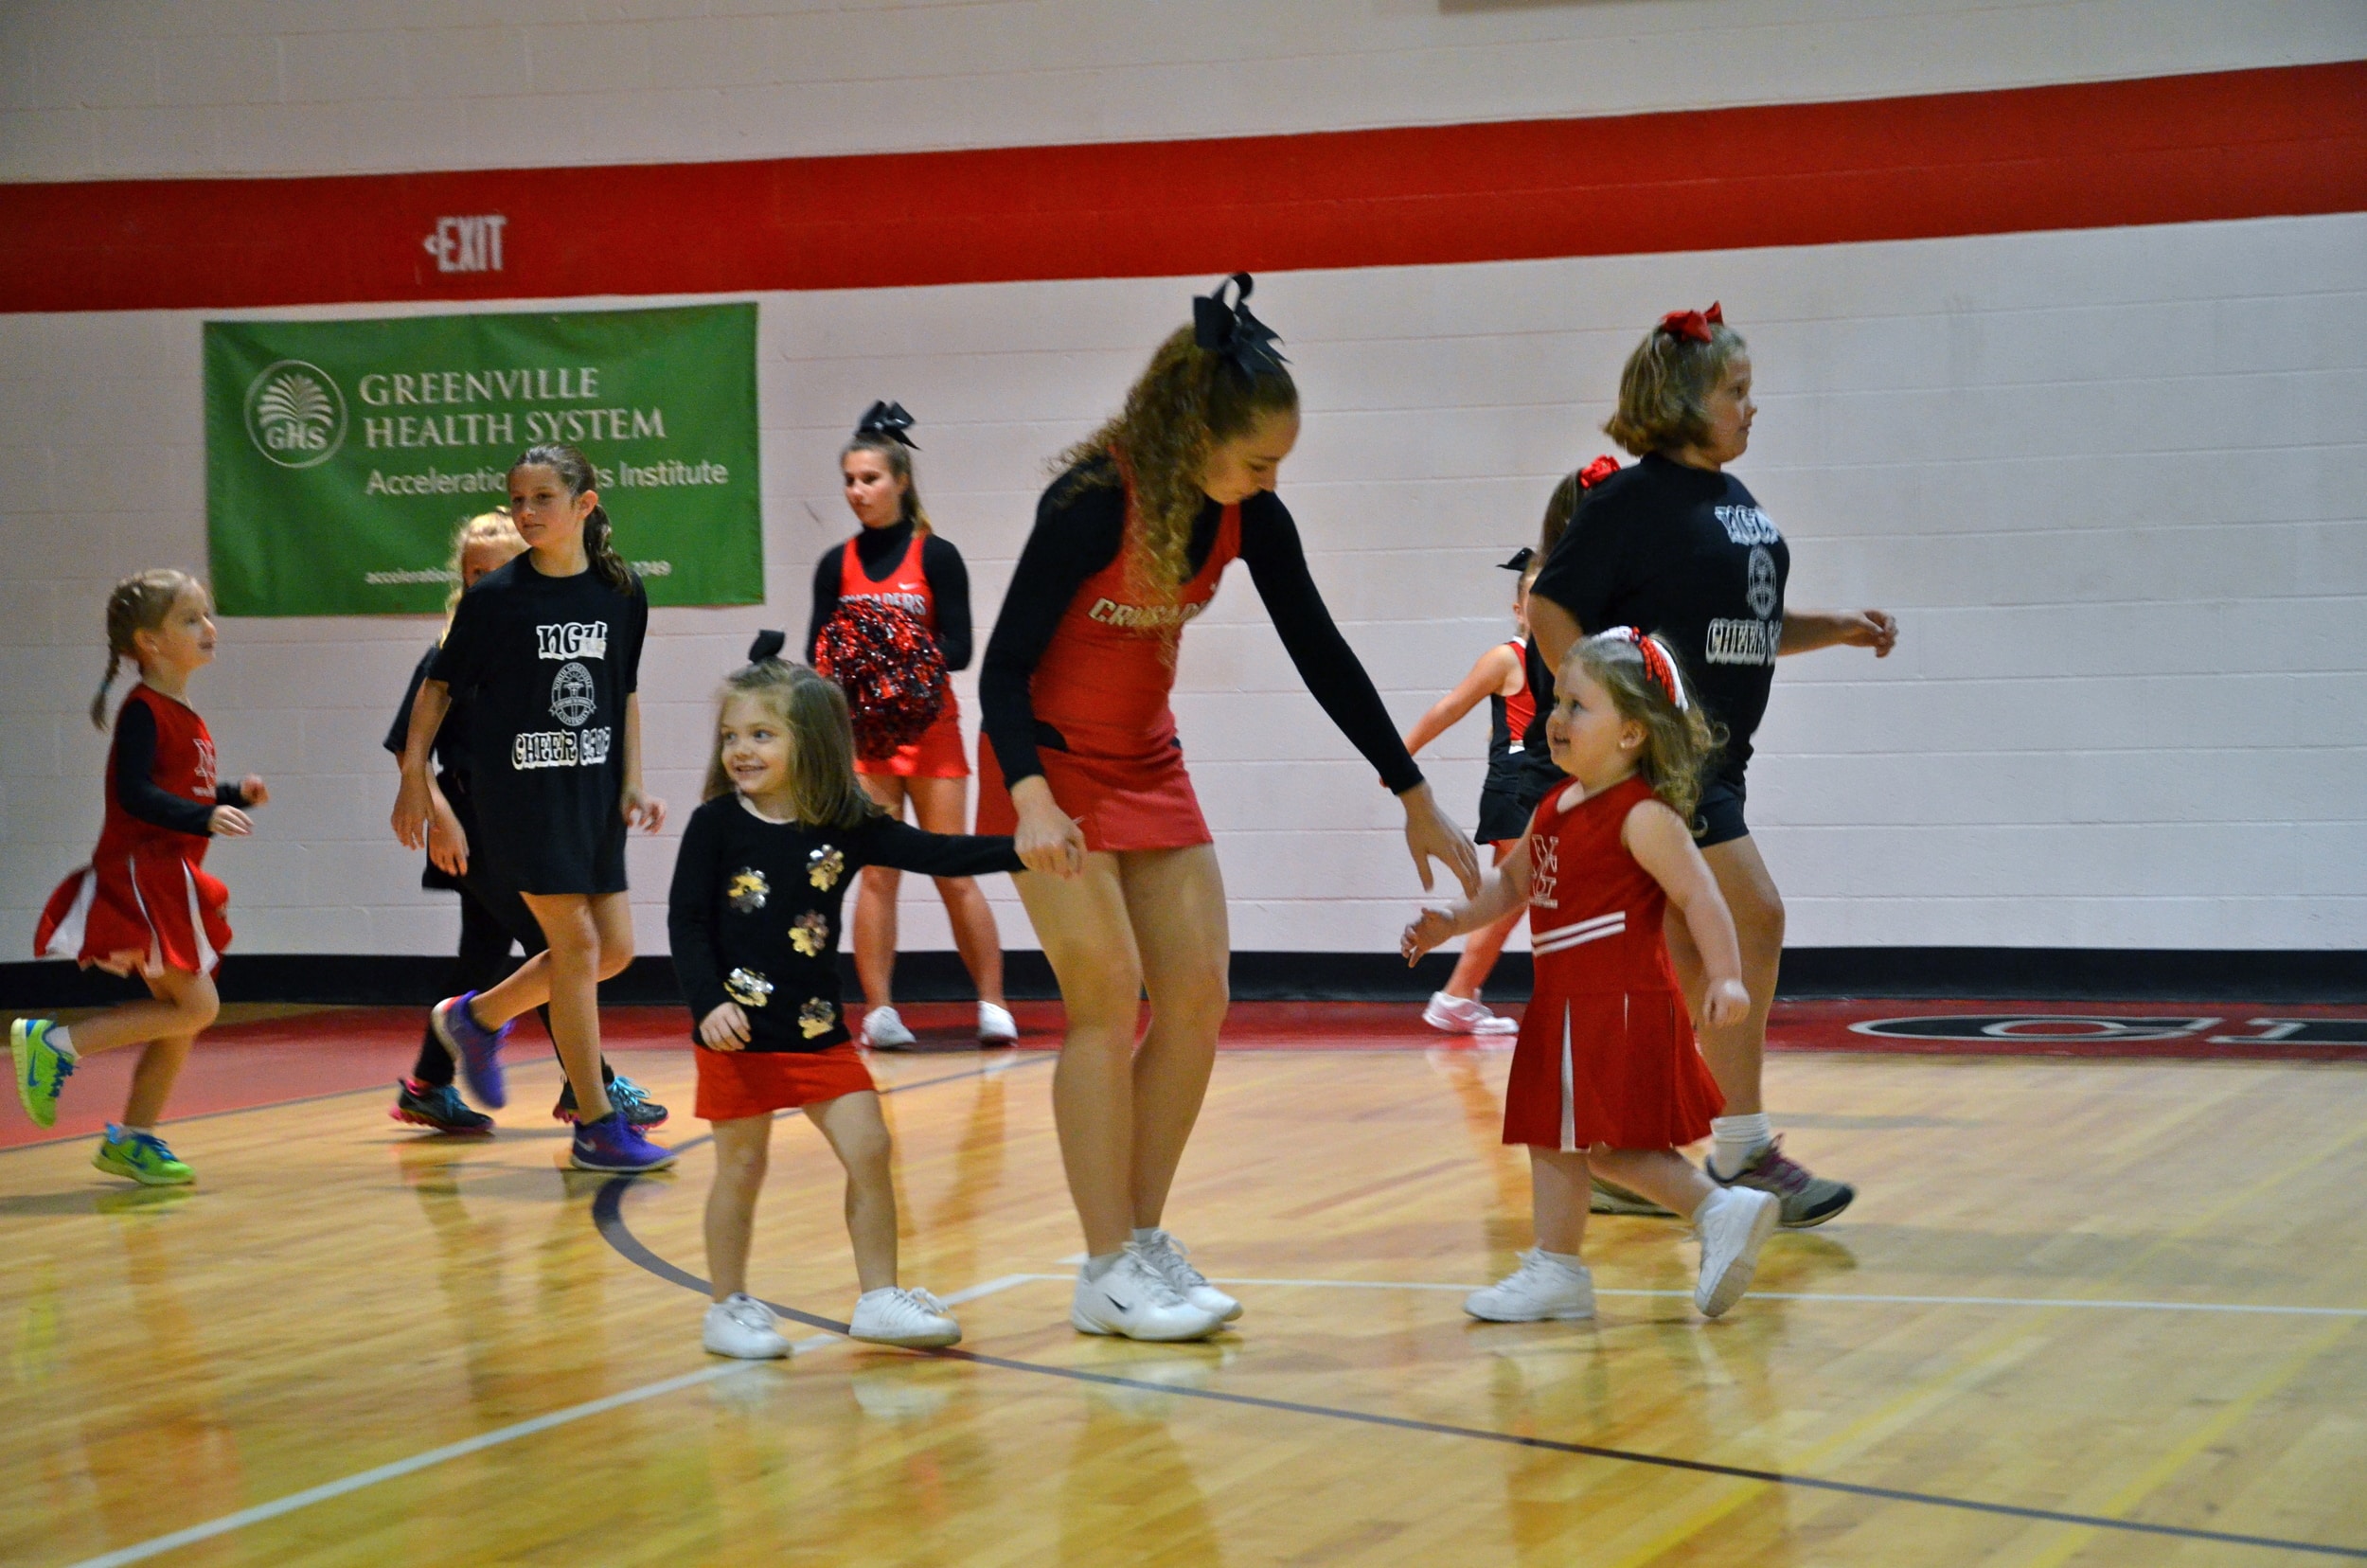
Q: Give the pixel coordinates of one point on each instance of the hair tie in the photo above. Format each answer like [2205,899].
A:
[1693,325]
[1519,561]
[890,421]
[1228,328]
[767,646]
[1596,472]
[1657,664]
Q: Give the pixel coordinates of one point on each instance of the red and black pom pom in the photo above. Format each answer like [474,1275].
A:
[890,668]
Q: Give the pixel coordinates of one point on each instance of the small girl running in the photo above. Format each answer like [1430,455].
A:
[145,904]
[755,921]
[1606,1075]
[1501,676]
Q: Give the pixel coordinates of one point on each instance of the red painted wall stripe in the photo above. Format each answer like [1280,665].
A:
[2241,144]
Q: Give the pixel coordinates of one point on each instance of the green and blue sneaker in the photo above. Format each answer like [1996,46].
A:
[141,1156]
[42,1069]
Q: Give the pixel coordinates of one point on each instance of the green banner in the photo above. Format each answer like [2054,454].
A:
[340,456]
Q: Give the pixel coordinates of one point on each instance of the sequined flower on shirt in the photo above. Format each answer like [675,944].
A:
[810,932]
[824,866]
[747,890]
[816,1017]
[747,988]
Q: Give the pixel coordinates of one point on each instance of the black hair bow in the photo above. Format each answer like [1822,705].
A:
[888,420]
[1228,328]
[767,646]
[1519,561]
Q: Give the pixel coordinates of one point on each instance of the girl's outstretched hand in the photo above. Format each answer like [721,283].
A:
[724,1030]
[1725,1004]
[645,811]
[1432,837]
[1430,928]
[256,791]
[229,822]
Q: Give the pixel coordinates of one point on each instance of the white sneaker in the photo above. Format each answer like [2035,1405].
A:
[1734,1223]
[1134,1300]
[996,1027]
[1540,1288]
[914,1319]
[1465,1015]
[883,1031]
[742,1325]
[1169,1255]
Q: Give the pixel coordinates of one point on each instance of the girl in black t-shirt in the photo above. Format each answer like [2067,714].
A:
[755,915]
[1677,546]
[549,649]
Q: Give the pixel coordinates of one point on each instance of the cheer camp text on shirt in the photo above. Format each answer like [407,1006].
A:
[571,701]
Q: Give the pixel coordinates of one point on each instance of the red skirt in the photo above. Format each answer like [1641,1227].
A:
[1120,802]
[733,1084]
[1616,1068]
[937,754]
[141,913]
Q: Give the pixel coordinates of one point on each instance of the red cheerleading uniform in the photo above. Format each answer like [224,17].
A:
[1521,708]
[938,753]
[145,903]
[1103,684]
[1606,1053]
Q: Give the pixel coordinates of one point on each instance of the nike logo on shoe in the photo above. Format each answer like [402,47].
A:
[1121,1306]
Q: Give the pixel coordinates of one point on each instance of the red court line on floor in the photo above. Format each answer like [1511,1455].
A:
[343,1050]
[2206,146]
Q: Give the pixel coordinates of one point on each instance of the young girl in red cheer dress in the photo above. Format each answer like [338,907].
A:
[145,904]
[1605,1076]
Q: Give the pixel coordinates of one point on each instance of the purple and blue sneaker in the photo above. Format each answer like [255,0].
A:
[475,1049]
[614,1145]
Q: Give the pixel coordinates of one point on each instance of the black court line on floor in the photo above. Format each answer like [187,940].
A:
[608,1214]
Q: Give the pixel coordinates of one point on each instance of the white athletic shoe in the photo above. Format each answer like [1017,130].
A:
[743,1327]
[914,1319]
[1464,1015]
[996,1027]
[1132,1299]
[1540,1288]
[883,1031]
[1734,1223]
[1174,1262]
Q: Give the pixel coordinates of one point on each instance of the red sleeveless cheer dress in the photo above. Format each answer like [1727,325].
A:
[1521,708]
[1606,1054]
[938,753]
[144,904]
[1103,684]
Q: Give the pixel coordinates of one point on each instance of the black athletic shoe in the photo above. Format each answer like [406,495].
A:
[625,1094]
[437,1105]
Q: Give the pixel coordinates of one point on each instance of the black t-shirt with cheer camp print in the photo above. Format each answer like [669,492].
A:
[549,663]
[1688,554]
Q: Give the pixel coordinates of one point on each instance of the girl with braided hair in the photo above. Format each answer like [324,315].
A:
[1084,767]
[145,905]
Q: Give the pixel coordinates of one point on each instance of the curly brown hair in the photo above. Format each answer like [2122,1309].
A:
[1679,743]
[1187,403]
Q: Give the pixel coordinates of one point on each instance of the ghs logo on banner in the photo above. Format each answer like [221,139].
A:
[296,414]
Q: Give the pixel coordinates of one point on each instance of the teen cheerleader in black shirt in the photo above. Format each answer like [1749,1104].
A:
[1677,547]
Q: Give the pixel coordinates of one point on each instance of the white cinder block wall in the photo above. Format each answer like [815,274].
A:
[2110,479]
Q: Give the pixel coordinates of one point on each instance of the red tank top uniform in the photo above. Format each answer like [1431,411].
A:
[1103,685]
[938,753]
[1606,1053]
[1521,708]
[145,903]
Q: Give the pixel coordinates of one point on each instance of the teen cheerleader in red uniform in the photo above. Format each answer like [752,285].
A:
[898,558]
[1606,1074]
[1085,768]
[145,904]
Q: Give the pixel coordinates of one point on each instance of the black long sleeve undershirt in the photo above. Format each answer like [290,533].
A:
[136,789]
[1079,531]
[878,550]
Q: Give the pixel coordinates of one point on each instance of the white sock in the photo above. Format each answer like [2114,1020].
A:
[1101,1264]
[61,1041]
[1737,1139]
[129,1130]
[1146,1234]
[1568,1261]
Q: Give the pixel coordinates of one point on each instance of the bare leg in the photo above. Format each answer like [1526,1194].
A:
[590,939]
[859,1138]
[183,1005]
[1735,1052]
[875,904]
[740,1157]
[1482,948]
[1176,901]
[161,1062]
[1088,938]
[1665,1176]
[942,806]
[1557,1199]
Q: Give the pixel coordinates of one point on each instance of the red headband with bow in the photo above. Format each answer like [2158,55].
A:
[1693,325]
[1656,665]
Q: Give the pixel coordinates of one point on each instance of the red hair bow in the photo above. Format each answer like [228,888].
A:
[1596,472]
[1693,324]
[1657,664]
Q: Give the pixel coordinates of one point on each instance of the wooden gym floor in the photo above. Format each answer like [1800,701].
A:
[2083,1312]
